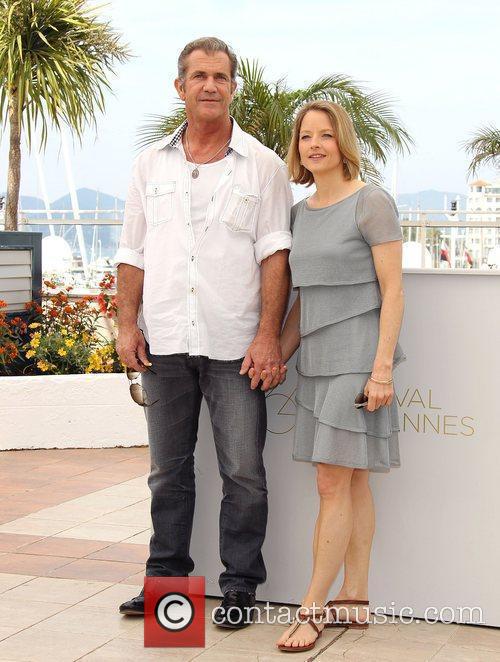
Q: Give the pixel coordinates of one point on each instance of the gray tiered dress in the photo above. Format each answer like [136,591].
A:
[332,267]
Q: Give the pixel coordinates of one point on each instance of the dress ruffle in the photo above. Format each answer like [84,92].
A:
[349,345]
[331,402]
[318,308]
[319,442]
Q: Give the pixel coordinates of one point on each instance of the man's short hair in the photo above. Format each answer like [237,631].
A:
[209,45]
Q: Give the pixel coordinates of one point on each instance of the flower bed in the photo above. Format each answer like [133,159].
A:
[62,384]
[61,336]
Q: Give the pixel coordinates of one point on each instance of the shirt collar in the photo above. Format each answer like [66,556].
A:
[237,143]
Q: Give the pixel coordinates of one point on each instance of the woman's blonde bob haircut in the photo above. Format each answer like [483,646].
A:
[344,133]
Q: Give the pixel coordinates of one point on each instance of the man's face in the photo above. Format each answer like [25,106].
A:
[207,88]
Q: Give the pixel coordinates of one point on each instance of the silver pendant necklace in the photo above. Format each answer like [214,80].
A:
[196,173]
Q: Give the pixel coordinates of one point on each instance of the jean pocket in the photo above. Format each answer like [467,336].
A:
[240,211]
[159,202]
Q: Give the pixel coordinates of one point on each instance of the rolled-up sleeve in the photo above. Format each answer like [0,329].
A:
[273,225]
[131,246]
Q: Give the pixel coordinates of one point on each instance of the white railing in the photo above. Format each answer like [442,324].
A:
[457,234]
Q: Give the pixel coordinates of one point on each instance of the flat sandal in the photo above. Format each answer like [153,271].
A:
[301,620]
[359,625]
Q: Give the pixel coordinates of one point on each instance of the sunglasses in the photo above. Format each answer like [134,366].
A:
[361,400]
[137,392]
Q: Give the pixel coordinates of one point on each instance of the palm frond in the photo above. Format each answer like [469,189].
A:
[267,111]
[483,148]
[57,56]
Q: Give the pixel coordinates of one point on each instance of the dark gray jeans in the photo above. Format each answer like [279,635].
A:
[238,417]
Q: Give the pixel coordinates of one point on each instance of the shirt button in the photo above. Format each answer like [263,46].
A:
[192,258]
[192,290]
[192,322]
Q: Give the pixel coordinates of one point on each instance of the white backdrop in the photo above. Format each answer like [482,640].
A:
[437,542]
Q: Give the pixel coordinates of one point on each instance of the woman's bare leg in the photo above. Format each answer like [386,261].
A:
[357,558]
[332,535]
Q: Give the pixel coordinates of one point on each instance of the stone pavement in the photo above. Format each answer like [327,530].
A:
[74,530]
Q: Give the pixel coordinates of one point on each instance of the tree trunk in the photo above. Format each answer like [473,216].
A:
[14,174]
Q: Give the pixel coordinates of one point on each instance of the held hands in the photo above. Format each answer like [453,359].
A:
[263,362]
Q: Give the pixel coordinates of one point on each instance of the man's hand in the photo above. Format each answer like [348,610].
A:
[132,346]
[279,377]
[264,354]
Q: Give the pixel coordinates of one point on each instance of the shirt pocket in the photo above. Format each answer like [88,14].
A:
[159,202]
[239,213]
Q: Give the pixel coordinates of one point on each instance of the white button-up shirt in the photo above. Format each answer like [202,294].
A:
[201,294]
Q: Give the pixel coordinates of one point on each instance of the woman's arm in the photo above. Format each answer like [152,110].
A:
[289,340]
[290,335]
[387,258]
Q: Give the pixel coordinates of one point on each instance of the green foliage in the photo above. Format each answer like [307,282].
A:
[54,58]
[267,110]
[483,148]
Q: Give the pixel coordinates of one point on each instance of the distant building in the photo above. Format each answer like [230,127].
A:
[483,196]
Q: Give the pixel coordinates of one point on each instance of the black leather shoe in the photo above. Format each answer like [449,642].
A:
[134,607]
[235,611]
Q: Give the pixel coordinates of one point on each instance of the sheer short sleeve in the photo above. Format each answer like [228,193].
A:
[377,217]
[293,215]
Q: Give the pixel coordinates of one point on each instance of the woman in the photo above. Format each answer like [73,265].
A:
[346,264]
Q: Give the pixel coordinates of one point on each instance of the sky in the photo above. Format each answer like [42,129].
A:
[437,60]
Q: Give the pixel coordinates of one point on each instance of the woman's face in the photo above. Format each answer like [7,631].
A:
[318,148]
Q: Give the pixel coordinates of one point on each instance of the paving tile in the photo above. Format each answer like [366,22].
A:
[111,597]
[104,502]
[6,632]
[8,580]
[371,649]
[24,613]
[107,571]
[40,498]
[127,650]
[76,512]
[64,547]
[32,564]
[421,631]
[142,538]
[122,552]
[213,634]
[36,526]
[34,645]
[476,636]
[127,490]
[135,580]
[90,531]
[125,517]
[12,514]
[464,654]
[11,541]
[62,591]
[215,654]
[91,620]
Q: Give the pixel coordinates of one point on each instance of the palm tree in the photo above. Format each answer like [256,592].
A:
[267,110]
[484,148]
[54,59]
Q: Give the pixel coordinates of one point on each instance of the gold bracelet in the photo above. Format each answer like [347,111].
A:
[378,381]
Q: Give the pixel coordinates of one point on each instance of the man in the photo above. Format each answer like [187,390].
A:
[203,283]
